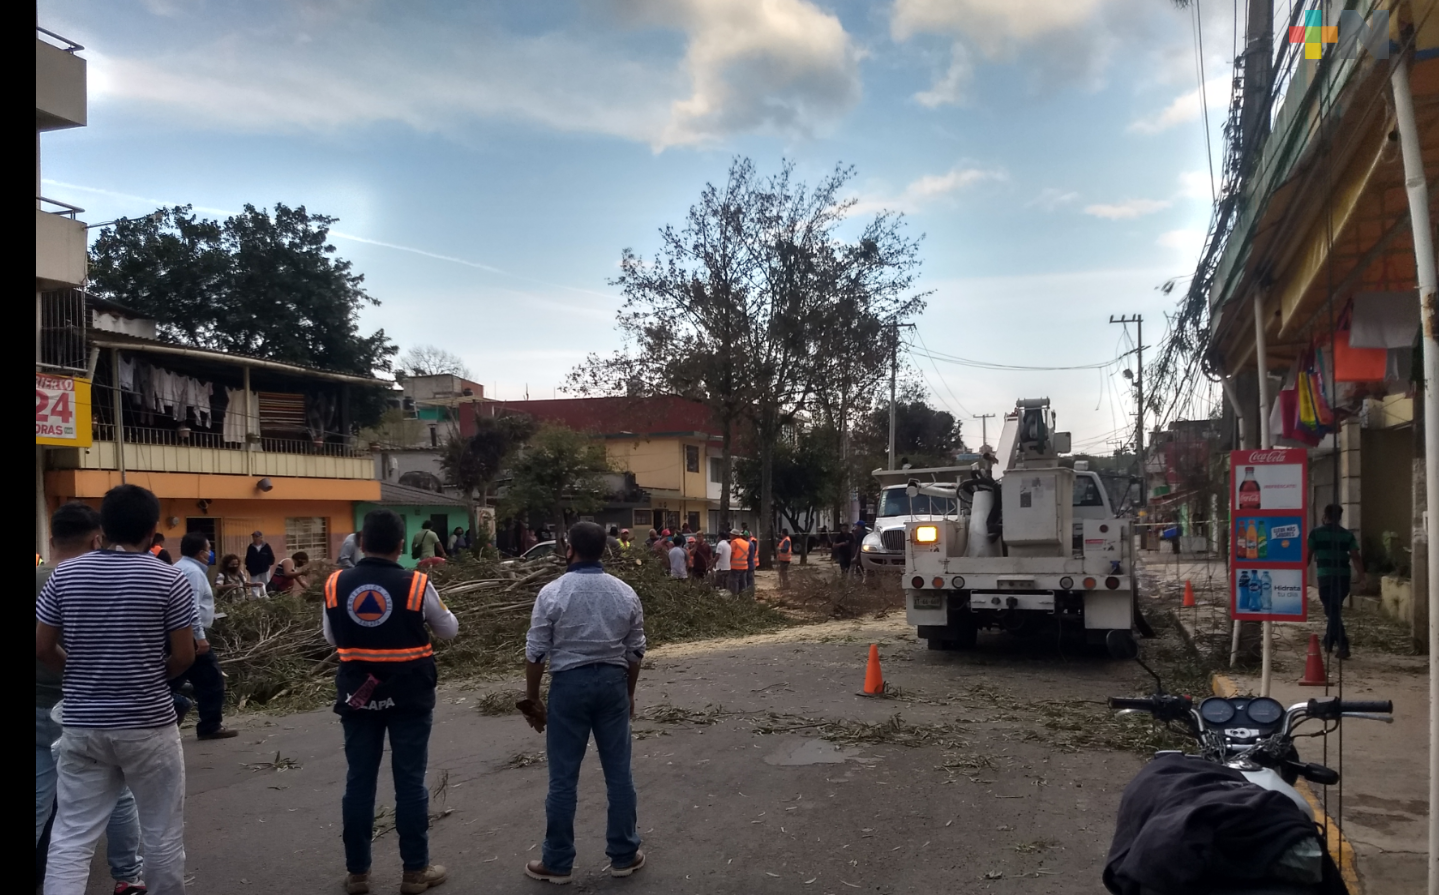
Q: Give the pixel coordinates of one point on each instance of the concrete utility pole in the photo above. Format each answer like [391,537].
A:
[1416,186]
[1138,321]
[984,419]
[893,384]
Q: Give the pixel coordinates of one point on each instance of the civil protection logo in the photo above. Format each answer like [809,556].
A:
[1347,38]
[369,605]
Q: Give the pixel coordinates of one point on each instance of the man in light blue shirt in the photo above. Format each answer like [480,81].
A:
[589,627]
[349,552]
[205,674]
[679,558]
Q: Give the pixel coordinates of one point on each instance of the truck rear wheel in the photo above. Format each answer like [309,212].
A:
[1120,646]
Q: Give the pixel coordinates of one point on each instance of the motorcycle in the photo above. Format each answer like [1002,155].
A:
[1227,820]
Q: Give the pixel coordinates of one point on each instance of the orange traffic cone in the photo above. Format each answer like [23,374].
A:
[1188,595]
[1314,673]
[873,680]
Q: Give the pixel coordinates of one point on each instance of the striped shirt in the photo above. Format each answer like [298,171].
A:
[115,612]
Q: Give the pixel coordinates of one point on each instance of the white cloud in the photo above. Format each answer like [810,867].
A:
[1128,209]
[781,66]
[1187,107]
[1001,32]
[1195,185]
[1187,243]
[1051,198]
[929,188]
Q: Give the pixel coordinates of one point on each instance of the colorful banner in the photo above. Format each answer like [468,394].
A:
[62,410]
[1269,506]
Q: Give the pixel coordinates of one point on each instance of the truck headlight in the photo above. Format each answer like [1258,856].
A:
[872,543]
[926,534]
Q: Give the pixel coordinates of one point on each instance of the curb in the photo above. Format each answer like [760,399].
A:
[1338,844]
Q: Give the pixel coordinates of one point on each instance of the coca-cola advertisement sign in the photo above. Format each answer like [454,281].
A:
[1268,479]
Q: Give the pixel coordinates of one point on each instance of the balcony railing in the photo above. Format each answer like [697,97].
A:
[141,435]
[69,45]
[63,209]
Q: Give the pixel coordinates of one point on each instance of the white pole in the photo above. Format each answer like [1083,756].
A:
[1418,191]
[1266,441]
[1233,396]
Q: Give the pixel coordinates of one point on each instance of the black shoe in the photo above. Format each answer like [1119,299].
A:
[1344,652]
[223,733]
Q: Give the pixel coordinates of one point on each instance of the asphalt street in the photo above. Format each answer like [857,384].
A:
[758,767]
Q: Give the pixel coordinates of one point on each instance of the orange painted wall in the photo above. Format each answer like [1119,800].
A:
[237,517]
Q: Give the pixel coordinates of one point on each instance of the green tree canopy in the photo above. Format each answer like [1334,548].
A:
[558,474]
[254,284]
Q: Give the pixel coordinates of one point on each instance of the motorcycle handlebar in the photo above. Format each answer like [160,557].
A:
[1143,704]
[1333,708]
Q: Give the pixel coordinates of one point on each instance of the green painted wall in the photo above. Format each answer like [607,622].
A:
[413,516]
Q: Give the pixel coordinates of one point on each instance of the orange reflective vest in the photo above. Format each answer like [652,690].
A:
[784,554]
[372,622]
[739,554]
[155,550]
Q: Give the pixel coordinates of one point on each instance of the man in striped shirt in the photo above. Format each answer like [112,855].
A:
[119,613]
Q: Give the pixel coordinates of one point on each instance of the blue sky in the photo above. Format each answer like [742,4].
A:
[489,161]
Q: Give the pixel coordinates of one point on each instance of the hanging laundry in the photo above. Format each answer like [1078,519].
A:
[1384,319]
[1357,364]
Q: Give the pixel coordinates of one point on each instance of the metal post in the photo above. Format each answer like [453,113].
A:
[1428,281]
[1266,440]
[1139,386]
[984,419]
[893,383]
[117,408]
[1233,396]
[249,447]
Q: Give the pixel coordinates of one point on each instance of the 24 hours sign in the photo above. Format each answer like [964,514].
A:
[62,410]
[1269,509]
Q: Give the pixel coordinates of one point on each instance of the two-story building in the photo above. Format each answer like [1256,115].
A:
[408,444]
[669,446]
[230,444]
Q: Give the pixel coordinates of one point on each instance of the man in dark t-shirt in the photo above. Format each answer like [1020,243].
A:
[842,548]
[1332,547]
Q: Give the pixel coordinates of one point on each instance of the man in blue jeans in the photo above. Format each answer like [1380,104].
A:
[75,530]
[376,615]
[589,627]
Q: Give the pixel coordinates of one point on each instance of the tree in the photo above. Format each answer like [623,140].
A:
[559,473]
[428,360]
[263,286]
[805,477]
[923,436]
[472,464]
[734,308]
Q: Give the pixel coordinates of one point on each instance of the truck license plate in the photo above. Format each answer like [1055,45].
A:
[929,600]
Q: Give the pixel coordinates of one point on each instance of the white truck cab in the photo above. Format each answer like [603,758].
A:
[1009,558]
[883,548]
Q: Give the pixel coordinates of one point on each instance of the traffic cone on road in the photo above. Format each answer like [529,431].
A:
[873,680]
[1314,673]
[1188,595]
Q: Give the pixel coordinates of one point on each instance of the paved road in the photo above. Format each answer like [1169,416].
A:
[739,789]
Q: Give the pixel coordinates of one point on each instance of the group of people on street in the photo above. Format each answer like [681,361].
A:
[116,629]
[118,633]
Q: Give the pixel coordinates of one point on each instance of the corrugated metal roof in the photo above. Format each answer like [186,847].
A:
[393,494]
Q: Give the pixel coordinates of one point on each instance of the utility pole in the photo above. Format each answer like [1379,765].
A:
[984,419]
[1138,321]
[894,384]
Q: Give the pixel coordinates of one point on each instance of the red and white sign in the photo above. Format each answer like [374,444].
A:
[1269,513]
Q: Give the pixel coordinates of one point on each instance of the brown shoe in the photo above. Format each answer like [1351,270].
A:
[357,883]
[224,733]
[416,881]
[538,870]
[623,870]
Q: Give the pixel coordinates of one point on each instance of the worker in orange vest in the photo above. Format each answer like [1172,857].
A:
[740,548]
[783,554]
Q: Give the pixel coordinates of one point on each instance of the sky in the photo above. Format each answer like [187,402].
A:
[488,162]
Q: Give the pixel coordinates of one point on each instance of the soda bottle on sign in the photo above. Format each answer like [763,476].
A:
[1251,541]
[1266,593]
[1249,490]
[1261,545]
[1241,588]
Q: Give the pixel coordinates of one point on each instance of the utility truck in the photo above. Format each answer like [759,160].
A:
[1017,553]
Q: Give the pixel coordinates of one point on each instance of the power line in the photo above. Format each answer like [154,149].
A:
[930,355]
[986,365]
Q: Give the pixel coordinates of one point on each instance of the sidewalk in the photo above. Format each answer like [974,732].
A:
[1380,803]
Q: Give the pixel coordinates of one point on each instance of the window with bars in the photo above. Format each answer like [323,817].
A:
[692,458]
[642,518]
[63,319]
[308,534]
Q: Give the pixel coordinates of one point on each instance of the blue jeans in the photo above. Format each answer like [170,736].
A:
[1332,592]
[590,699]
[409,754]
[204,675]
[122,834]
